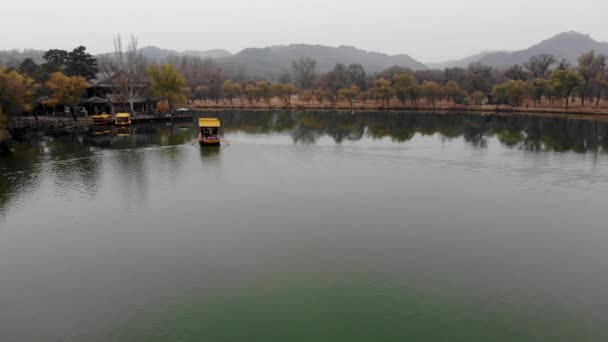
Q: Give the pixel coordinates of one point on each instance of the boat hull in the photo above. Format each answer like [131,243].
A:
[103,121]
[204,142]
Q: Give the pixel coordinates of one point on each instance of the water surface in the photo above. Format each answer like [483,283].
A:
[313,226]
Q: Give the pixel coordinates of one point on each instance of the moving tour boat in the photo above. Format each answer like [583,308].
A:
[123,119]
[209,131]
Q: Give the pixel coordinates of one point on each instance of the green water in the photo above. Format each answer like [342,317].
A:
[311,226]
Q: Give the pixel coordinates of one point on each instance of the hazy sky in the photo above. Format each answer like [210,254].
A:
[428,30]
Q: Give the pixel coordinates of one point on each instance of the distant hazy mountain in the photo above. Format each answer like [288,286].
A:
[215,53]
[154,53]
[462,63]
[268,62]
[567,45]
[13,58]
[272,61]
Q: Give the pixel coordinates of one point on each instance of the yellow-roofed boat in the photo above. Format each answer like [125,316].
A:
[102,119]
[123,119]
[209,134]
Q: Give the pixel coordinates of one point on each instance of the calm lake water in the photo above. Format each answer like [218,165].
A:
[310,227]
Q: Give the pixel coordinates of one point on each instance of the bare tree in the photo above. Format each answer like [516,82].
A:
[539,65]
[602,77]
[304,70]
[126,71]
[591,67]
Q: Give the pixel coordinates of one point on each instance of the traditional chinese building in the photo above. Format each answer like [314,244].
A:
[103,97]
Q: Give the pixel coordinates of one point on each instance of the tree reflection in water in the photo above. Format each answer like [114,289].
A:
[524,132]
[75,159]
[20,173]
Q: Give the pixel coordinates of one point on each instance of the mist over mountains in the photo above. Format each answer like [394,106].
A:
[464,62]
[273,61]
[154,53]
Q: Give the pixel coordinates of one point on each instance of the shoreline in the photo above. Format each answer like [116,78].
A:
[22,126]
[483,109]
[44,123]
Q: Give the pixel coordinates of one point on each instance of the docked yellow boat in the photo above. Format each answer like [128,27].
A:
[123,131]
[102,119]
[123,119]
[209,134]
[101,130]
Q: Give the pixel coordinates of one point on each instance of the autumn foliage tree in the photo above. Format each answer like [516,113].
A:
[454,92]
[167,83]
[349,94]
[432,92]
[251,93]
[16,92]
[538,89]
[513,92]
[403,85]
[67,90]
[284,91]
[565,83]
[231,90]
[477,98]
[384,91]
[265,91]
[306,96]
[320,95]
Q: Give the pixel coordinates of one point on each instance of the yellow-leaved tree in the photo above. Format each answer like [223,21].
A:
[167,83]
[16,94]
[67,90]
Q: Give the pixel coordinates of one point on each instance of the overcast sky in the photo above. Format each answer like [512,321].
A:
[428,30]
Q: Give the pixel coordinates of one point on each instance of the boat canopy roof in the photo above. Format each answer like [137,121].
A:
[208,122]
[123,115]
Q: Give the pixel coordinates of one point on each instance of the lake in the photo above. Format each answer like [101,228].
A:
[309,226]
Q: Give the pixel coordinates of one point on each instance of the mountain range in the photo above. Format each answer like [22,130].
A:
[568,46]
[276,60]
[156,54]
[271,62]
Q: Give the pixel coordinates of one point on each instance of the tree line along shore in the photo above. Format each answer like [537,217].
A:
[66,78]
[540,85]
